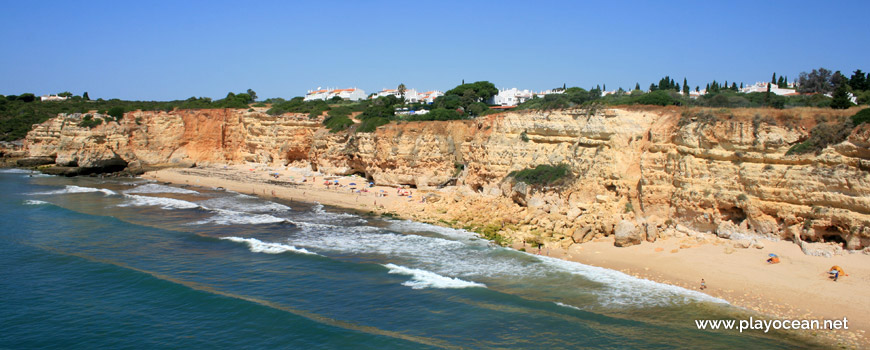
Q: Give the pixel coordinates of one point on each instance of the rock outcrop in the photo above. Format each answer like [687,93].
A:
[707,171]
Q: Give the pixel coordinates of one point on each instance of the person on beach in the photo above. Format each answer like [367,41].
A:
[836,270]
[703,284]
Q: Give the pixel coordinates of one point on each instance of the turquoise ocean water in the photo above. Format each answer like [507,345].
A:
[94,263]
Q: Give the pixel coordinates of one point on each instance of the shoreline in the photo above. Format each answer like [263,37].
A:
[797,288]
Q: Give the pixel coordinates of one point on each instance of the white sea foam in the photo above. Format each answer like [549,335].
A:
[229,217]
[258,246]
[625,290]
[456,256]
[243,203]
[163,202]
[34,202]
[425,279]
[412,226]
[318,214]
[158,188]
[15,171]
[568,306]
[78,189]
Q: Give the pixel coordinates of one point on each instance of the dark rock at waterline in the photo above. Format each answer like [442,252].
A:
[34,161]
[62,170]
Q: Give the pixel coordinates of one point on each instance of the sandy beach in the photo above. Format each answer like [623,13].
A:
[797,288]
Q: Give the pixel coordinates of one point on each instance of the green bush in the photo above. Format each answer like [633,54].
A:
[337,123]
[369,125]
[861,117]
[88,121]
[116,112]
[821,136]
[542,174]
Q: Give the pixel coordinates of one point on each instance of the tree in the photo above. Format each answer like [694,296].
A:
[733,86]
[27,97]
[773,79]
[858,81]
[65,94]
[252,94]
[637,86]
[401,89]
[817,81]
[85,96]
[116,112]
[685,87]
[841,96]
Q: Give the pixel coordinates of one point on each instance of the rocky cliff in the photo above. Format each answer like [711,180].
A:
[639,173]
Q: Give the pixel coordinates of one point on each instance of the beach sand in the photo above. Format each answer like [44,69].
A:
[797,288]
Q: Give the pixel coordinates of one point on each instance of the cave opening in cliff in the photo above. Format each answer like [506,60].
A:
[832,235]
[733,214]
[477,188]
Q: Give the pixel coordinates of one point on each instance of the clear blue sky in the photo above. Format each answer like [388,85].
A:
[156,50]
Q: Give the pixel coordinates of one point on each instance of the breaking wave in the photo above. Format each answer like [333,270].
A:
[229,217]
[34,202]
[158,188]
[77,189]
[163,202]
[425,279]
[258,246]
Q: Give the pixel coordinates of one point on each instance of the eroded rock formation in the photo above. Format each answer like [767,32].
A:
[665,170]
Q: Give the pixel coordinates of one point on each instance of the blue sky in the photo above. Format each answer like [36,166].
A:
[155,50]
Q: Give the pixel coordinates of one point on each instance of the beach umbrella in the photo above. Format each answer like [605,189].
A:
[352,184]
[336,181]
[771,255]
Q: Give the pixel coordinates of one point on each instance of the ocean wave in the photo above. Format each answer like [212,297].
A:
[229,217]
[568,306]
[425,279]
[77,189]
[622,290]
[163,202]
[158,188]
[413,226]
[34,202]
[243,203]
[258,246]
[15,171]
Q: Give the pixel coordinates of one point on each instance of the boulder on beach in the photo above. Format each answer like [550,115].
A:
[626,234]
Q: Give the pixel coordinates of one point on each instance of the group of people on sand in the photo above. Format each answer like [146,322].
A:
[834,272]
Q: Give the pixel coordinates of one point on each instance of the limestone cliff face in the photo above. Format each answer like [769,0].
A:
[661,169]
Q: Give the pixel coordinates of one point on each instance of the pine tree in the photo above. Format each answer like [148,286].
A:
[697,88]
[734,86]
[85,96]
[773,80]
[604,87]
[841,98]
[707,89]
[637,86]
[652,87]
[685,87]
[677,88]
[741,85]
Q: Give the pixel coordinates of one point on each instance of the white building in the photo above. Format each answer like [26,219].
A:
[762,87]
[411,95]
[514,96]
[352,94]
[52,98]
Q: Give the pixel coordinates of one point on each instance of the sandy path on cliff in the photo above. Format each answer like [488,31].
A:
[797,288]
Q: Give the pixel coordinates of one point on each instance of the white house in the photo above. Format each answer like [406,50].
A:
[762,87]
[411,95]
[52,98]
[352,94]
